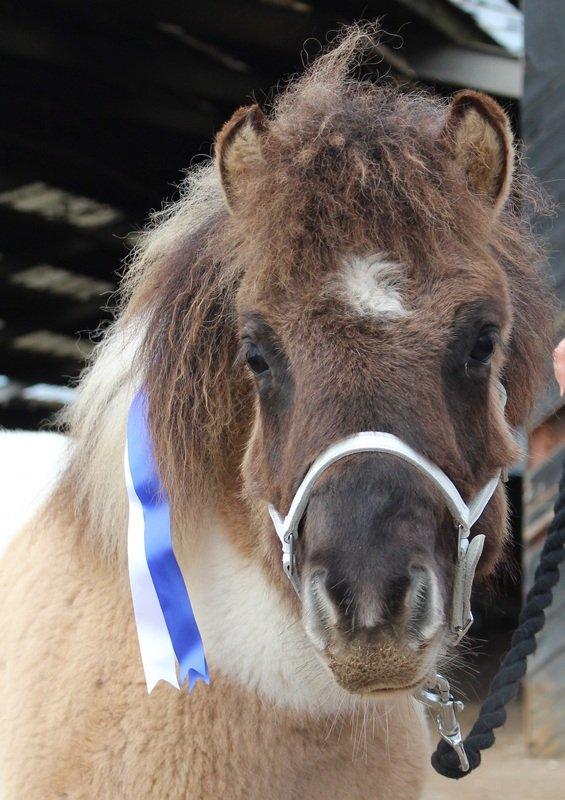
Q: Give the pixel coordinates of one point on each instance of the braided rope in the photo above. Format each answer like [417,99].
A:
[504,686]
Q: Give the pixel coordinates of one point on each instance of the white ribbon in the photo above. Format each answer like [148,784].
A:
[157,654]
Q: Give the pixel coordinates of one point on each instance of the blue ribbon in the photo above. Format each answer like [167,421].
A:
[163,567]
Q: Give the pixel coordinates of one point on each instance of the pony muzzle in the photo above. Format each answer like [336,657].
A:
[376,640]
[374,598]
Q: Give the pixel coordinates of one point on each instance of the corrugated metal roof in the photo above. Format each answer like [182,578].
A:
[500,19]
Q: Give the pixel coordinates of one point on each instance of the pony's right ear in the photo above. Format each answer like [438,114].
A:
[238,148]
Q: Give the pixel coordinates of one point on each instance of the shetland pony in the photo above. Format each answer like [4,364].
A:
[355,259]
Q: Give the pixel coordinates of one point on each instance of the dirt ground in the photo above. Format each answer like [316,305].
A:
[507,772]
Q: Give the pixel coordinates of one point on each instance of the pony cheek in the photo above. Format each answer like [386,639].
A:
[494,520]
[257,470]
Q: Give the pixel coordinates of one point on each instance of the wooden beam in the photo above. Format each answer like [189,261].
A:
[29,368]
[453,65]
[239,28]
[120,59]
[25,310]
[35,359]
[452,22]
[29,239]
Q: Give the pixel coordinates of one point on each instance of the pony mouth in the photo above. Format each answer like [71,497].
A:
[381,687]
[389,691]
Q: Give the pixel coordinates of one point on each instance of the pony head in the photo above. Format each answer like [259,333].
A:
[376,294]
[354,260]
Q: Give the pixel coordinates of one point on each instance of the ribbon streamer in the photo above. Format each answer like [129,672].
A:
[166,627]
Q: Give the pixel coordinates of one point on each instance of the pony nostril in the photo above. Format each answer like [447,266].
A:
[320,614]
[424,605]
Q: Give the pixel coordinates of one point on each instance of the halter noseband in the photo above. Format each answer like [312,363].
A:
[465,516]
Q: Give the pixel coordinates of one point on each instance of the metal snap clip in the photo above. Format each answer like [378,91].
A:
[444,708]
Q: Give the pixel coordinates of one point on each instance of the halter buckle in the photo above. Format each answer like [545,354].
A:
[460,631]
[439,700]
[289,560]
[469,553]
[462,541]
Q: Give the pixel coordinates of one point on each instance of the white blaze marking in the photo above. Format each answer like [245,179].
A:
[372,285]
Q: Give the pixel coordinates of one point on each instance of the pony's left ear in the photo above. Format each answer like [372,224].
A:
[238,148]
[478,133]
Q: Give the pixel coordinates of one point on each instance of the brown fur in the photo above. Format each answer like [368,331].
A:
[339,167]
[399,192]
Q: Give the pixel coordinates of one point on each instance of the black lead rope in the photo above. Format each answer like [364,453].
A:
[504,686]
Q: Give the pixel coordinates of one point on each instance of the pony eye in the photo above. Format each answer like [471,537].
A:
[483,348]
[255,360]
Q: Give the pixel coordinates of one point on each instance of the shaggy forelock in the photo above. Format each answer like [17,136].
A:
[353,164]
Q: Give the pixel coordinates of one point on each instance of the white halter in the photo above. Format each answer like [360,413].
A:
[464,515]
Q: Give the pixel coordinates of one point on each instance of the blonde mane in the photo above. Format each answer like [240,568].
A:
[92,486]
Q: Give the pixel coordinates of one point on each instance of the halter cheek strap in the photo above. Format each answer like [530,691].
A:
[468,552]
